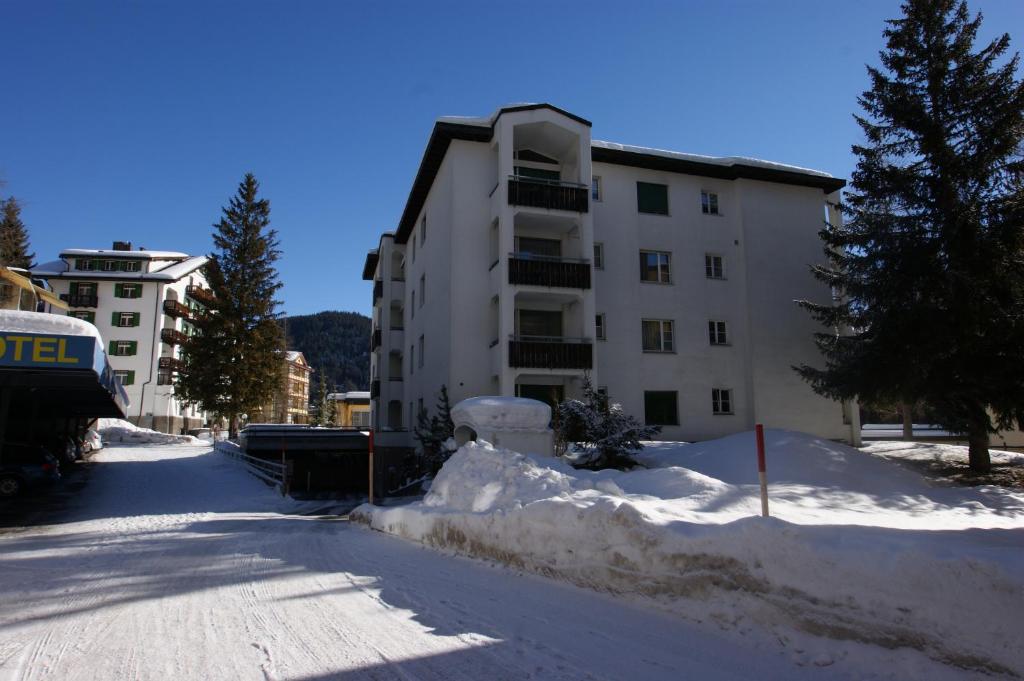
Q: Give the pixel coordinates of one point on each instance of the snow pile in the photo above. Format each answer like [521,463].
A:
[44,322]
[119,430]
[830,564]
[936,452]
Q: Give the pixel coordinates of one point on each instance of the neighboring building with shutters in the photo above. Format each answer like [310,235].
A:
[291,403]
[529,255]
[142,302]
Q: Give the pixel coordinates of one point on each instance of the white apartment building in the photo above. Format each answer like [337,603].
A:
[529,255]
[142,303]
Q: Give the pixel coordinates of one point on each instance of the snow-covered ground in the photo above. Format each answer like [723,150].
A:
[121,431]
[176,564]
[863,561]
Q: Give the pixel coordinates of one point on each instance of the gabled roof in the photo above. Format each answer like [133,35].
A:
[59,269]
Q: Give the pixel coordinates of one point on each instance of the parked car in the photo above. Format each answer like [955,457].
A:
[91,442]
[25,466]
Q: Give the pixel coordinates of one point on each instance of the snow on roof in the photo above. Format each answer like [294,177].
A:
[484,121]
[350,395]
[502,413]
[292,355]
[699,158]
[173,272]
[145,255]
[44,322]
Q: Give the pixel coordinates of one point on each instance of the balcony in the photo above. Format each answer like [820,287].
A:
[175,309]
[526,269]
[170,364]
[203,295]
[550,352]
[80,299]
[378,290]
[172,336]
[374,388]
[375,339]
[553,194]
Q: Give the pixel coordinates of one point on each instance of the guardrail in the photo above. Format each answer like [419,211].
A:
[268,471]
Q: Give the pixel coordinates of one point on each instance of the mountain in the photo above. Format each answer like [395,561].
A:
[338,342]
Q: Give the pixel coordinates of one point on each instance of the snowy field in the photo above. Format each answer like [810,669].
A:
[864,568]
[176,564]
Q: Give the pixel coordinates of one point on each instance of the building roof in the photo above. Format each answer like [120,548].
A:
[60,269]
[296,357]
[111,253]
[447,128]
[351,396]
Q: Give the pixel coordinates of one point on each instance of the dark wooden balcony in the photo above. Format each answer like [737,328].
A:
[174,308]
[526,269]
[550,352]
[203,295]
[170,364]
[553,194]
[378,290]
[80,299]
[375,339]
[374,388]
[172,336]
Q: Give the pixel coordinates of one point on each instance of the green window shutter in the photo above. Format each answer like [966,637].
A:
[134,347]
[90,317]
[118,290]
[74,288]
[130,379]
[138,290]
[652,198]
[113,318]
[112,348]
[136,318]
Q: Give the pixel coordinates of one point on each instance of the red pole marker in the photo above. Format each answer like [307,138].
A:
[761,474]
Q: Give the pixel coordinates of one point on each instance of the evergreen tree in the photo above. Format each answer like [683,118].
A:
[233,367]
[604,435]
[324,415]
[928,270]
[14,237]
[434,432]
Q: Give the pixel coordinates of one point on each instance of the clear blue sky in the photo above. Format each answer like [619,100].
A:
[136,120]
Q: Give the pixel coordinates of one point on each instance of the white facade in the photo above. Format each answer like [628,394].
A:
[490,286]
[141,302]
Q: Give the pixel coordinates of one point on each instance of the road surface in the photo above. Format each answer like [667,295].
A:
[173,563]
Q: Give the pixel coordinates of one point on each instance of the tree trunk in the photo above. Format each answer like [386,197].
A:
[977,440]
[908,420]
[233,427]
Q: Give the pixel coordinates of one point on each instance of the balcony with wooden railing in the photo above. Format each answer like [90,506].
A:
[550,352]
[527,269]
[170,364]
[553,194]
[172,336]
[203,295]
[174,308]
[80,299]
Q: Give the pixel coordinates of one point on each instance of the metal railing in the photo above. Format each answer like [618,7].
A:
[550,352]
[270,472]
[527,269]
[553,194]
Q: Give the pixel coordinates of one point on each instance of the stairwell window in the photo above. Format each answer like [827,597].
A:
[709,203]
[714,266]
[656,267]
[423,230]
[598,256]
[717,333]
[595,188]
[652,198]
[657,335]
[721,401]
[599,327]
[412,359]
[423,288]
[421,352]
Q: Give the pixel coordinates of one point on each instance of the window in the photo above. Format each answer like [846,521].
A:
[652,198]
[125,319]
[86,265]
[660,408]
[164,378]
[130,265]
[656,267]
[413,240]
[721,401]
[86,316]
[421,352]
[423,288]
[599,256]
[543,247]
[709,203]
[412,303]
[126,377]
[110,265]
[412,359]
[714,266]
[83,288]
[657,335]
[716,333]
[423,230]
[599,326]
[122,348]
[128,290]
[537,173]
[595,188]
[539,323]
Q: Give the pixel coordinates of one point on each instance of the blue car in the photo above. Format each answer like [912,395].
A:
[25,466]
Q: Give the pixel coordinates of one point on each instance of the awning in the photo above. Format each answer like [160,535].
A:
[25,283]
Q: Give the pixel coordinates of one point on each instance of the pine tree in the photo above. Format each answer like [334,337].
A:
[233,367]
[434,432]
[14,237]
[324,415]
[928,270]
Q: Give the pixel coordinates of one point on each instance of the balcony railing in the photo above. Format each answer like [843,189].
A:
[555,194]
[550,352]
[175,308]
[172,336]
[378,290]
[375,339]
[527,269]
[374,388]
[170,364]
[203,295]
[80,299]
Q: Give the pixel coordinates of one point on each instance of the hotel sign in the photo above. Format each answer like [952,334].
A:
[41,351]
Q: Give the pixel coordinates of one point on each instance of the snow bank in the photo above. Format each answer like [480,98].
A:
[119,430]
[688,537]
[44,322]
[503,413]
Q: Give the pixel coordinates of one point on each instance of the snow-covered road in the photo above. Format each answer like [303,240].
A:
[175,564]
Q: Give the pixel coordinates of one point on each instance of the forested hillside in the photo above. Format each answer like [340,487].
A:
[338,342]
